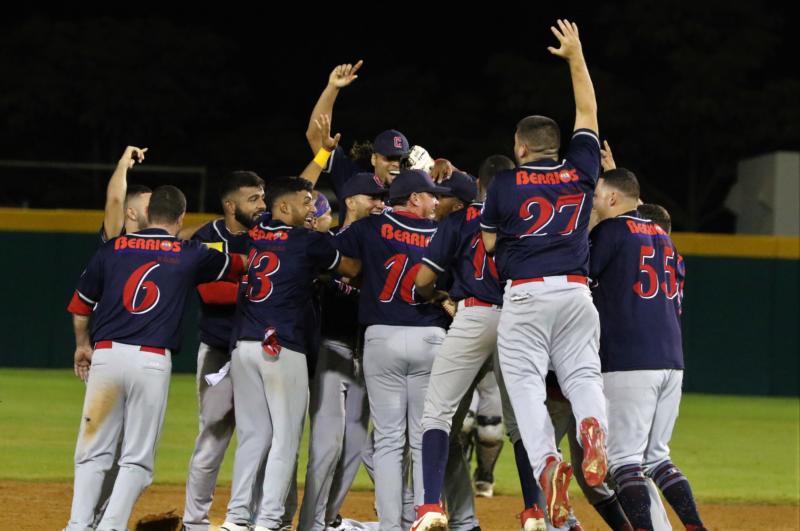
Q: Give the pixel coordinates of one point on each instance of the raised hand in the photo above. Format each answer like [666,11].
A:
[570,43]
[322,126]
[607,158]
[132,155]
[344,74]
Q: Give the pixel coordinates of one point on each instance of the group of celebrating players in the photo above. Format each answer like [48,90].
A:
[544,272]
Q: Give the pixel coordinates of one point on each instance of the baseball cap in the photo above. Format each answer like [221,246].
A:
[462,186]
[409,181]
[391,143]
[363,183]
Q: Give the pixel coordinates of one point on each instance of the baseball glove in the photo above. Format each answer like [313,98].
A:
[167,521]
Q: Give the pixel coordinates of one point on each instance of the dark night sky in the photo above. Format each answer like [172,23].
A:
[685,90]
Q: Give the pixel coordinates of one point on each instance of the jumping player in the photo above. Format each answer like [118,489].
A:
[536,218]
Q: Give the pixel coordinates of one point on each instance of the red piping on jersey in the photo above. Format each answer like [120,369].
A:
[109,344]
[221,292]
[79,306]
[578,279]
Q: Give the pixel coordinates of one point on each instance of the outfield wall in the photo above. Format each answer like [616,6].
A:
[740,314]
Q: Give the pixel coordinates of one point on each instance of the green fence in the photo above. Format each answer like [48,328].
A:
[740,318]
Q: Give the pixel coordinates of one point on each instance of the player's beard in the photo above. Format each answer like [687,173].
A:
[243,218]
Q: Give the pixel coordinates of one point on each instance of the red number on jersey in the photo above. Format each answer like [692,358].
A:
[398,276]
[547,212]
[261,267]
[652,277]
[135,285]
[670,283]
[480,259]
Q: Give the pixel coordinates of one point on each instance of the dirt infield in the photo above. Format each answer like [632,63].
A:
[45,506]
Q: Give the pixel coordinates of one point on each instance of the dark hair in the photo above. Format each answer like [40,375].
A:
[166,205]
[281,186]
[399,201]
[657,214]
[491,166]
[135,190]
[361,154]
[239,179]
[623,180]
[539,133]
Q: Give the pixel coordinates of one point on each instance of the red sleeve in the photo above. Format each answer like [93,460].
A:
[221,292]
[79,306]
[236,268]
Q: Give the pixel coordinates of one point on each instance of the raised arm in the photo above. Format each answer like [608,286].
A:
[340,77]
[570,50]
[114,216]
[322,136]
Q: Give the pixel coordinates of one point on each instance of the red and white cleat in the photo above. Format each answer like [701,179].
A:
[430,517]
[595,463]
[532,519]
[555,480]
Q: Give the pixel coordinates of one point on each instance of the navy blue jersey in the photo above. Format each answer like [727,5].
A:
[390,247]
[339,309]
[138,285]
[457,246]
[540,212]
[635,288]
[282,265]
[216,321]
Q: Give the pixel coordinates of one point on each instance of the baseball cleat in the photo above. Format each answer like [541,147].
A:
[576,527]
[484,489]
[430,517]
[595,463]
[554,481]
[532,519]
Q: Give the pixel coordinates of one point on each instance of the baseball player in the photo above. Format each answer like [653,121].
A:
[339,409]
[126,205]
[402,335]
[536,219]
[470,343]
[242,197]
[389,148]
[635,288]
[134,289]
[268,364]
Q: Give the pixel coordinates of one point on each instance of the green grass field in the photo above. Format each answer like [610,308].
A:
[744,449]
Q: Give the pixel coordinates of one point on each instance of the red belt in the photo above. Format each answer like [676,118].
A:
[578,279]
[472,301]
[109,344]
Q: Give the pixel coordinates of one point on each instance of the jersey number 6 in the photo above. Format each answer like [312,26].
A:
[136,285]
